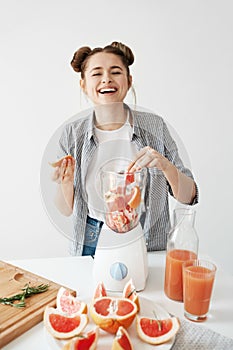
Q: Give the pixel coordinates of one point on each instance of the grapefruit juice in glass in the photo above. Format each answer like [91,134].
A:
[182,245]
[198,280]
[173,277]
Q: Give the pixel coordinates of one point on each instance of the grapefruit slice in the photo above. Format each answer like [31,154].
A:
[135,198]
[115,200]
[59,161]
[122,340]
[129,292]
[100,291]
[86,341]
[61,326]
[69,304]
[109,313]
[154,331]
[129,178]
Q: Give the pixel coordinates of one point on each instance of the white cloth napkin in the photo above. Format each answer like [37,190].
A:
[192,336]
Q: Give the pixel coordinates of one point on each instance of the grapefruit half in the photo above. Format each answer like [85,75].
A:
[109,313]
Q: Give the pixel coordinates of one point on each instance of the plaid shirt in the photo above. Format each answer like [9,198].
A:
[79,140]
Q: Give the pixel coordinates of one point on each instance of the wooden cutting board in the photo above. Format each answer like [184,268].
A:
[15,321]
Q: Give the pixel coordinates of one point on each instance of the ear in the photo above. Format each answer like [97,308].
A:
[82,84]
[130,80]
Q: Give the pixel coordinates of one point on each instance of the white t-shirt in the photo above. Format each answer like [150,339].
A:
[114,153]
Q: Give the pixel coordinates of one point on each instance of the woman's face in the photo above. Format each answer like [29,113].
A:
[105,79]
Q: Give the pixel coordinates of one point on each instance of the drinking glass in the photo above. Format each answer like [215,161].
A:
[198,281]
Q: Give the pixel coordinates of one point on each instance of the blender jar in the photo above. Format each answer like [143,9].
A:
[123,196]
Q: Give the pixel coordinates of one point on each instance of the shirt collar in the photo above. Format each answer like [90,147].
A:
[90,125]
[135,119]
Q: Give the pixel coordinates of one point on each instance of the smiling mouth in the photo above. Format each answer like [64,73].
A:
[107,90]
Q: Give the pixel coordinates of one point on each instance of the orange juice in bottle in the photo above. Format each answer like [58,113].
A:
[182,245]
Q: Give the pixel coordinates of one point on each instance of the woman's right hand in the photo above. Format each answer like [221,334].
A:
[64,171]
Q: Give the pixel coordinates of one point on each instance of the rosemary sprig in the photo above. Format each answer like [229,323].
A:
[18,300]
[158,321]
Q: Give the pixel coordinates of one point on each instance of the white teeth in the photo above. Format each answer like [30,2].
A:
[107,90]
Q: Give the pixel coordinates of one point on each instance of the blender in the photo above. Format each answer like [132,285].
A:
[121,252]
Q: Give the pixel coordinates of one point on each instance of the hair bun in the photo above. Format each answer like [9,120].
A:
[79,57]
[126,51]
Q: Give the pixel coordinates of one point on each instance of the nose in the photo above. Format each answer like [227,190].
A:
[106,78]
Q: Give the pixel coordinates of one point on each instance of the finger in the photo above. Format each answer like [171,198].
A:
[68,172]
[70,167]
[144,161]
[133,166]
[70,164]
[63,169]
[55,174]
[143,151]
[153,163]
[139,164]
[136,165]
[64,164]
[59,161]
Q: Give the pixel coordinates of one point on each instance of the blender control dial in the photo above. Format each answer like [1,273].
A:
[118,271]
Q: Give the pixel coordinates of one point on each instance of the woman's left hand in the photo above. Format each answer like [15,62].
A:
[148,157]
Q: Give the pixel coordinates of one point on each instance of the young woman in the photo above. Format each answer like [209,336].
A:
[110,132]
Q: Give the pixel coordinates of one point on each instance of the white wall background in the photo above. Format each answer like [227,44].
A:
[183,71]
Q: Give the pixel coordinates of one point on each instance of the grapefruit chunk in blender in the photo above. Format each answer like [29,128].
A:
[122,208]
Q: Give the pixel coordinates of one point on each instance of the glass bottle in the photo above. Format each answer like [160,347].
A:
[182,245]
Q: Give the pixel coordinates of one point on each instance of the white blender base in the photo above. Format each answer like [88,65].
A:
[120,257]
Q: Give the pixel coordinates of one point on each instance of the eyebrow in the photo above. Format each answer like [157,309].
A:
[112,67]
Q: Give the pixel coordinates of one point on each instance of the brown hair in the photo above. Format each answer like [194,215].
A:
[82,55]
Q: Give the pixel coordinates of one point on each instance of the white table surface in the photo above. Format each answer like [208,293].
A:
[76,273]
